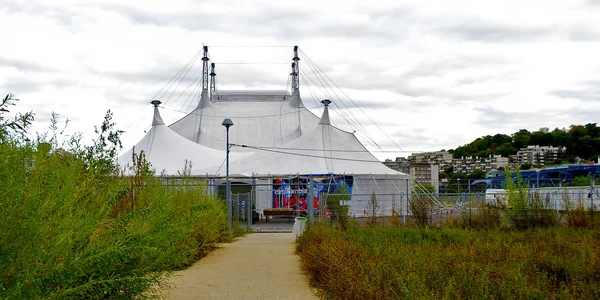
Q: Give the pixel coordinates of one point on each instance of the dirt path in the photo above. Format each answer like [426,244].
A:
[258,266]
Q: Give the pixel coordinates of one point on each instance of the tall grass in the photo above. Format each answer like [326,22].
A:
[72,228]
[435,263]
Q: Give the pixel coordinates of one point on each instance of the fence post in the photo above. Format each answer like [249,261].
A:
[592,198]
[528,198]
[556,204]
[251,202]
[405,206]
[311,193]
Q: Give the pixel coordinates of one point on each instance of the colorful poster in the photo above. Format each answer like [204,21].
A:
[292,192]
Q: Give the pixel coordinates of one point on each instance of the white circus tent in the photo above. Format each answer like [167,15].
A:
[274,136]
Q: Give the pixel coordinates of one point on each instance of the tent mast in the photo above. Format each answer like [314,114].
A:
[296,101]
[295,71]
[213,76]
[205,69]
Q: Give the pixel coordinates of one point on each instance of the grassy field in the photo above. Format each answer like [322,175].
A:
[390,262]
[71,227]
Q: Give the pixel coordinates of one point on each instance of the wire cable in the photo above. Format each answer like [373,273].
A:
[307,155]
[308,58]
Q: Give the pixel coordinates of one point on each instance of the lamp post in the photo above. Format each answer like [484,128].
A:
[228,123]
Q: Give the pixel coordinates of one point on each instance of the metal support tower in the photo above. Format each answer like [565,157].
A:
[295,71]
[205,69]
[213,79]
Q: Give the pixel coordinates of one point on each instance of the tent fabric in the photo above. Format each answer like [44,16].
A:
[167,151]
[324,150]
[261,118]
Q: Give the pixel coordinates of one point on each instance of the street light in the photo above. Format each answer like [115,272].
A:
[228,123]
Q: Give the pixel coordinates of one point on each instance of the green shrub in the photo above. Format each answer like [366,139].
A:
[72,228]
[420,207]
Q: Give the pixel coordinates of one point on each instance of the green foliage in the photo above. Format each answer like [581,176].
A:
[583,181]
[339,212]
[525,166]
[411,263]
[10,129]
[420,208]
[72,228]
[581,141]
[527,210]
[424,188]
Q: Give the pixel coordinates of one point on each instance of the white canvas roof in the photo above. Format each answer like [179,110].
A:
[324,150]
[167,151]
[261,118]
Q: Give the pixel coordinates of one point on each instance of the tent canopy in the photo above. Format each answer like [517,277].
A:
[167,151]
[323,150]
[261,118]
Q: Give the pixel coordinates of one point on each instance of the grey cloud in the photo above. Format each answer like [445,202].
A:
[21,84]
[582,33]
[282,23]
[481,30]
[24,66]
[588,91]
[495,119]
[63,15]
[459,62]
[371,77]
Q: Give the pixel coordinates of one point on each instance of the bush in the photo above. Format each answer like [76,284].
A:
[487,217]
[525,209]
[420,207]
[72,228]
[398,263]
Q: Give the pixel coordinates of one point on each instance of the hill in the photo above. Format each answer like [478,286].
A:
[582,141]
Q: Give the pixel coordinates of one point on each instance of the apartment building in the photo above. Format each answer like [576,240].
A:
[535,154]
[441,158]
[467,165]
[426,173]
[401,164]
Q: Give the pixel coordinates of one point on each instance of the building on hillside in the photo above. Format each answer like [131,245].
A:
[540,155]
[400,164]
[426,174]
[466,165]
[441,158]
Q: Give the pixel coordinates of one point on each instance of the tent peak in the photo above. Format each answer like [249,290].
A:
[204,99]
[156,120]
[296,101]
[325,117]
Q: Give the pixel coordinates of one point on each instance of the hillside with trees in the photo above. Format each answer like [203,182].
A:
[582,141]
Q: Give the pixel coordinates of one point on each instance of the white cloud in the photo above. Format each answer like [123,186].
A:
[431,74]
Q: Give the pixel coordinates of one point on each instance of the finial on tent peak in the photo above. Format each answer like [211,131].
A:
[156,103]
[326,102]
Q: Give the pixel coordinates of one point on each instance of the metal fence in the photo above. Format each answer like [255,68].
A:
[253,197]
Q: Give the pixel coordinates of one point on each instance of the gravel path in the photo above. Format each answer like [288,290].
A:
[257,266]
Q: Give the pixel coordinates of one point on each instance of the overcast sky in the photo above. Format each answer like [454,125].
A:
[431,74]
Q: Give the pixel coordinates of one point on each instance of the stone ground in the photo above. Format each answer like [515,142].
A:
[257,266]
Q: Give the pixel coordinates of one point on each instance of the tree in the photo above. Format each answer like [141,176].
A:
[560,137]
[541,138]
[505,150]
[521,138]
[424,188]
[477,174]
[525,166]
